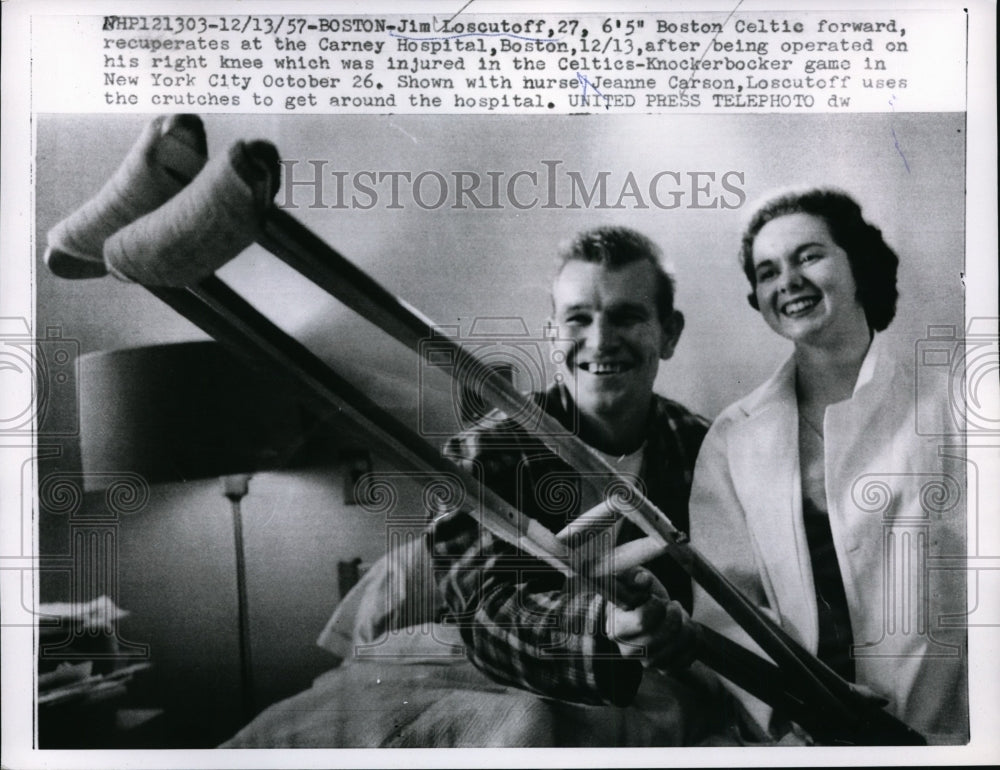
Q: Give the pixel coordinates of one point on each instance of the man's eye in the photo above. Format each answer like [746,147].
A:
[811,256]
[577,319]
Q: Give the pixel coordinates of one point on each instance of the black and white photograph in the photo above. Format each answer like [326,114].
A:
[648,416]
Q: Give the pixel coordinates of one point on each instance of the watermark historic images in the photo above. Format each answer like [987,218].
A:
[548,187]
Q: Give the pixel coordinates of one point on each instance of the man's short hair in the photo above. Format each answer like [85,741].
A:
[873,262]
[615,247]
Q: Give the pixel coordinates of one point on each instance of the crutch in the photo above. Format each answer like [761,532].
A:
[237,196]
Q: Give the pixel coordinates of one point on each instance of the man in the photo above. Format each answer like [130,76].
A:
[522,623]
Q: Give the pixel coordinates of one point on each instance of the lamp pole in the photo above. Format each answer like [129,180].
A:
[235,487]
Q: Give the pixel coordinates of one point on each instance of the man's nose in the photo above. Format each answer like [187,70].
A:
[603,333]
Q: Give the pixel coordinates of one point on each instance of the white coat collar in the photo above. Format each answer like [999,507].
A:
[780,387]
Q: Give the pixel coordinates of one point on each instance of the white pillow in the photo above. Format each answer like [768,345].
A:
[398,594]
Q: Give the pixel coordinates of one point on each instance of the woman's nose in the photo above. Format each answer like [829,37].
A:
[791,279]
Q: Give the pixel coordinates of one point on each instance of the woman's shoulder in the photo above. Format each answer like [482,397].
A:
[778,388]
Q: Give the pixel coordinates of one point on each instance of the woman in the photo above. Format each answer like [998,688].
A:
[817,496]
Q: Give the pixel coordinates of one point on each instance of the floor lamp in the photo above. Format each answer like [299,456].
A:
[187,411]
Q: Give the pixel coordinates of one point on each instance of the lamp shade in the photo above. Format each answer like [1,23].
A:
[186,411]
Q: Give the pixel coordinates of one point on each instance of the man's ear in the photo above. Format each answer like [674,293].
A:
[672,328]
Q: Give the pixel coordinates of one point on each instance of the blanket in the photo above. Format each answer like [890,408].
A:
[412,695]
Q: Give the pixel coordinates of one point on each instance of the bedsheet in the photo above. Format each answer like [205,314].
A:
[412,691]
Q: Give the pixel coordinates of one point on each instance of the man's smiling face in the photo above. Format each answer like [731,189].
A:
[610,336]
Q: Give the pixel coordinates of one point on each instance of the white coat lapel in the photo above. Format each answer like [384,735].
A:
[765,469]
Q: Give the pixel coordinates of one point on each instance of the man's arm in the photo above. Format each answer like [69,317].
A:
[522,621]
[524,624]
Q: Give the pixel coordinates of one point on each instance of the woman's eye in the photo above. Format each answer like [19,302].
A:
[766,274]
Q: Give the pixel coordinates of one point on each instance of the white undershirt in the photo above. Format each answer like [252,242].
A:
[630,466]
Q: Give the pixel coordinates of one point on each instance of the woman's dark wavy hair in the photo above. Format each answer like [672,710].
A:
[873,262]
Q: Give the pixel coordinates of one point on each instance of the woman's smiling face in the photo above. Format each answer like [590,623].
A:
[805,288]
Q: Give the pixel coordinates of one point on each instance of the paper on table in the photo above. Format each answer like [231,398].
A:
[96,613]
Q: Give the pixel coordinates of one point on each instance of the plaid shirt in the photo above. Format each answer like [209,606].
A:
[521,622]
